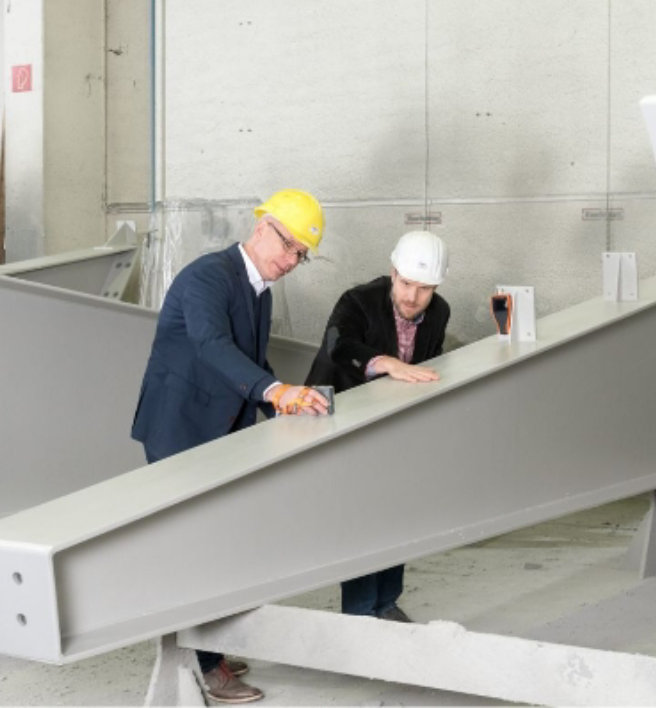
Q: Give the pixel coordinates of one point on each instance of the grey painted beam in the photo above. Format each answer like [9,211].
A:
[71,369]
[89,273]
[511,435]
[70,375]
[89,270]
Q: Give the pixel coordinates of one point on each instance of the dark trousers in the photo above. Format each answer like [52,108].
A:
[207,660]
[374,593]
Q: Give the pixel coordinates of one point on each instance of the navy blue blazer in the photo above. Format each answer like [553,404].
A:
[207,370]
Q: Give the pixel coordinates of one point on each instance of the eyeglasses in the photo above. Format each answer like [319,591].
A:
[288,245]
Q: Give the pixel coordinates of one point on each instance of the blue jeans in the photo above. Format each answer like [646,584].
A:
[372,594]
[207,660]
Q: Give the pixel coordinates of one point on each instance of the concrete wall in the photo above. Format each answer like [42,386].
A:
[2,63]
[2,132]
[128,73]
[79,141]
[24,179]
[74,119]
[507,118]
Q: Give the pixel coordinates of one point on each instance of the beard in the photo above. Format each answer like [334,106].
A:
[408,312]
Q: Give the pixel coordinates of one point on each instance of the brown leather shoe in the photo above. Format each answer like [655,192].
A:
[222,686]
[238,668]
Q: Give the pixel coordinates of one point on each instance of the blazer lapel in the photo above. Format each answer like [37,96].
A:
[264,325]
[425,339]
[389,323]
[421,341]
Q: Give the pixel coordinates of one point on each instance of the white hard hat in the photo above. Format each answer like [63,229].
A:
[421,256]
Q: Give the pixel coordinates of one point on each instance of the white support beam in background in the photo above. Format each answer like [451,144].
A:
[440,655]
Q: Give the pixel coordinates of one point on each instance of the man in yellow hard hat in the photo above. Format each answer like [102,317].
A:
[208,373]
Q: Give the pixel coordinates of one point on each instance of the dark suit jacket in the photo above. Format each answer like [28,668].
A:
[362,326]
[207,370]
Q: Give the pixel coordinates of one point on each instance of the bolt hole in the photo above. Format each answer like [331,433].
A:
[22,620]
[18,578]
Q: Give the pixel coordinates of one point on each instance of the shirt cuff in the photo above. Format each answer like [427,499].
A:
[268,388]
[369,372]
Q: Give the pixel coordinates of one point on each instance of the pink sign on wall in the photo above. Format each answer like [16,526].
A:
[21,78]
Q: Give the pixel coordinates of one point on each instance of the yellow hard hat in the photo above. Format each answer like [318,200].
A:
[299,212]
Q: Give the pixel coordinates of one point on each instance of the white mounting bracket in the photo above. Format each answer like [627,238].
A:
[620,275]
[125,234]
[522,324]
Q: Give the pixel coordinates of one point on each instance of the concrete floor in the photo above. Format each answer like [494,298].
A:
[506,585]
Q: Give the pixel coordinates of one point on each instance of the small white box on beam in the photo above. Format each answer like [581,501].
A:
[620,276]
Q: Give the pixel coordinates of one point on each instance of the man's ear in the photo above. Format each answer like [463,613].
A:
[259,229]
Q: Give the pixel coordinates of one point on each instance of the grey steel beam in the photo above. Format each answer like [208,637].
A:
[105,275]
[510,436]
[102,270]
[71,367]
[69,380]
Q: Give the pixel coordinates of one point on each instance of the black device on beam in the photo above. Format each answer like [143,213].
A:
[329,393]
[501,306]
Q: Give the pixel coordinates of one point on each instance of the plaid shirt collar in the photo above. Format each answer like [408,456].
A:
[406,332]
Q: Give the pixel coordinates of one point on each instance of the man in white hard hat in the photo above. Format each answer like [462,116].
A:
[386,327]
[208,373]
